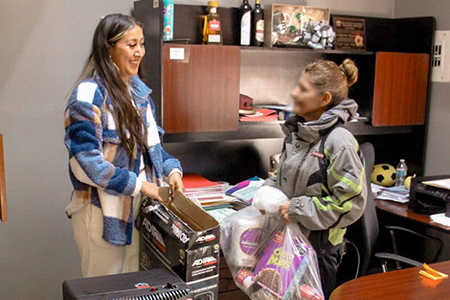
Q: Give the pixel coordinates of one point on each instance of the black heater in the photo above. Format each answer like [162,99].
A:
[156,284]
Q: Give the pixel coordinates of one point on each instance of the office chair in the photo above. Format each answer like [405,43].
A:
[364,233]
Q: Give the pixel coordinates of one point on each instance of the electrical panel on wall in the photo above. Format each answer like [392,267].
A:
[440,63]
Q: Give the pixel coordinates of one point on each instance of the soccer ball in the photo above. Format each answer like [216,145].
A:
[383,174]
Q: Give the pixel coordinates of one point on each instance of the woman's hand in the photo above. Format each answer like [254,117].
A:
[150,190]
[176,183]
[284,211]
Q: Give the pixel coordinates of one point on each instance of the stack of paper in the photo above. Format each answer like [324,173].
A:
[221,213]
[209,194]
[440,219]
[245,190]
[396,193]
[442,183]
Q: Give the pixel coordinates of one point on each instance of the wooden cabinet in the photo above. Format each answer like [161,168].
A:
[391,91]
[401,87]
[201,88]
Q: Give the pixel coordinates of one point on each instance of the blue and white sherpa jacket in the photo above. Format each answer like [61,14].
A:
[99,166]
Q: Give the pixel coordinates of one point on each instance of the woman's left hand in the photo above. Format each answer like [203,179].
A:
[284,211]
[176,183]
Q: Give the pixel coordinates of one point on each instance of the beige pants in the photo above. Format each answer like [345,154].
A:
[99,257]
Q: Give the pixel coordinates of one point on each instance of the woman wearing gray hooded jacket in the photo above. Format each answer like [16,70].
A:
[320,169]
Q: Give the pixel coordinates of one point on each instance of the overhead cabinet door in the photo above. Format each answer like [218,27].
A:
[401,85]
[200,88]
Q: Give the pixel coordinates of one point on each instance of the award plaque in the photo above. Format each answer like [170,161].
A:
[350,33]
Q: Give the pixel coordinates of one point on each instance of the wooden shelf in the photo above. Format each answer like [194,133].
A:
[365,129]
[282,49]
[308,50]
[285,49]
[272,130]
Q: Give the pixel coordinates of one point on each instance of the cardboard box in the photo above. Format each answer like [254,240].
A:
[180,234]
[285,24]
[202,289]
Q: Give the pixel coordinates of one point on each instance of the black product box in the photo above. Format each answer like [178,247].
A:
[202,289]
[182,235]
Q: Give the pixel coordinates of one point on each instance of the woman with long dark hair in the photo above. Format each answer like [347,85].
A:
[320,169]
[115,155]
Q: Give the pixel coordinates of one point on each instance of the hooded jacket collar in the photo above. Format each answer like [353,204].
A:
[312,131]
[140,89]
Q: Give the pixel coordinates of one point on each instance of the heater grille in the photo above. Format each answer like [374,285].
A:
[155,284]
[170,295]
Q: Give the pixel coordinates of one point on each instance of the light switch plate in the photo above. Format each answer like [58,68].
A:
[440,62]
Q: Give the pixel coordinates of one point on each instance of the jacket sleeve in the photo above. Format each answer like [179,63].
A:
[270,182]
[346,198]
[170,164]
[83,140]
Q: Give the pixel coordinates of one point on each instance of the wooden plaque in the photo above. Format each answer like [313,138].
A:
[350,33]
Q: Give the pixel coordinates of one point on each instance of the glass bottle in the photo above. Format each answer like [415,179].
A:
[212,34]
[258,25]
[246,23]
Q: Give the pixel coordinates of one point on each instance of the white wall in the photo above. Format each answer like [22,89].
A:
[437,160]
[43,47]
[44,44]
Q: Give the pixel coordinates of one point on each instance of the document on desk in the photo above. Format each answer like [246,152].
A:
[220,214]
[396,193]
[442,183]
[440,219]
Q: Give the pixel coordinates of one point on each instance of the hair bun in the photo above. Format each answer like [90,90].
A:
[350,71]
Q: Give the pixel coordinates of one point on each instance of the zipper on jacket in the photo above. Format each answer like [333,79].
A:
[297,171]
[282,160]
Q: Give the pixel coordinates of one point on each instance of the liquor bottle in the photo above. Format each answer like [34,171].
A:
[258,25]
[212,34]
[246,23]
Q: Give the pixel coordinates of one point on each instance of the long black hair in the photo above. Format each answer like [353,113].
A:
[108,32]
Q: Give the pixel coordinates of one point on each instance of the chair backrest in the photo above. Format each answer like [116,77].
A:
[364,232]
[369,221]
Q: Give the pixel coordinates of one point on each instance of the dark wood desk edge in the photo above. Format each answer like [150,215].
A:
[385,204]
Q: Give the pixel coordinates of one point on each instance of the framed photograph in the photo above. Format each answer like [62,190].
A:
[285,24]
[350,33]
[3,211]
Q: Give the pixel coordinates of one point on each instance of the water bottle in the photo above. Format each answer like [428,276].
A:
[402,171]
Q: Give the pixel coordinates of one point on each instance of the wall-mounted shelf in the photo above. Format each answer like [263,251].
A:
[272,130]
[309,50]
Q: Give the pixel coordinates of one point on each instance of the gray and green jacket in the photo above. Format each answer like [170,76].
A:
[324,180]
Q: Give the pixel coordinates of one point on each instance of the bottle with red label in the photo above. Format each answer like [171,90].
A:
[258,25]
[212,34]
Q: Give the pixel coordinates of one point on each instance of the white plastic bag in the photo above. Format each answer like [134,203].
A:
[240,236]
[268,259]
[269,199]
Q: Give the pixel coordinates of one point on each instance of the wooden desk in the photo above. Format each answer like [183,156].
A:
[404,284]
[228,290]
[404,211]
